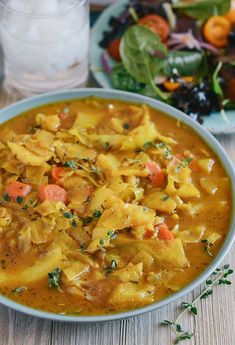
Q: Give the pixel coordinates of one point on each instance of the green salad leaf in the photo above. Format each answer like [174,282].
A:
[143,56]
[122,80]
[215,81]
[203,9]
[186,63]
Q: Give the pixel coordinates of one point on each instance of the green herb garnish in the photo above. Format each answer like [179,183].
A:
[96,214]
[19,199]
[183,164]
[102,241]
[6,197]
[167,153]
[149,144]
[54,278]
[71,164]
[68,215]
[74,223]
[106,146]
[165,198]
[111,234]
[112,267]
[87,220]
[126,126]
[180,334]
[161,145]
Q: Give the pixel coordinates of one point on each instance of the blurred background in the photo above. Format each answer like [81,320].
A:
[59,28]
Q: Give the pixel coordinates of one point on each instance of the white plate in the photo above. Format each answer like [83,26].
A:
[214,123]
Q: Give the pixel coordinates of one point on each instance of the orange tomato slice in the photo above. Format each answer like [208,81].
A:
[216,31]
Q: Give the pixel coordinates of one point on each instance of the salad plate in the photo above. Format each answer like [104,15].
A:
[215,123]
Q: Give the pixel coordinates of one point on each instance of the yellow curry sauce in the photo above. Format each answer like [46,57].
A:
[120,204]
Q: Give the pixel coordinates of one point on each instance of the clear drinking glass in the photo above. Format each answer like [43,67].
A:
[45,44]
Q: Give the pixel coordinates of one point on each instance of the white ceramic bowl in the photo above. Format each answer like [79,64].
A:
[22,106]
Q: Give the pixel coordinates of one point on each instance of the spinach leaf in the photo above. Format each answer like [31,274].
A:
[54,278]
[215,81]
[203,9]
[186,63]
[122,80]
[143,56]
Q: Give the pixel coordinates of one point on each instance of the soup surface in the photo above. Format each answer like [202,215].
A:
[105,206]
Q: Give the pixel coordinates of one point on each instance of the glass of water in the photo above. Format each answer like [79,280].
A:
[45,44]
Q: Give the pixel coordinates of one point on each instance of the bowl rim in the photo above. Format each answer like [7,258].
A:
[19,107]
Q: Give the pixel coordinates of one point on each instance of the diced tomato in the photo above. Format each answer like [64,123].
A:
[156,175]
[157,24]
[57,172]
[114,49]
[52,192]
[164,233]
[17,188]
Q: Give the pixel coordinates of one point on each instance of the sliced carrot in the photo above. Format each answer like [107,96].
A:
[172,86]
[156,175]
[52,192]
[216,31]
[57,172]
[148,234]
[193,165]
[164,233]
[17,188]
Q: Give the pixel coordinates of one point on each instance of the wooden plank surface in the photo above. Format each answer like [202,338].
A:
[215,324]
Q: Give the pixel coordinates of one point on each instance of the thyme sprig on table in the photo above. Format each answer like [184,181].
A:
[221,279]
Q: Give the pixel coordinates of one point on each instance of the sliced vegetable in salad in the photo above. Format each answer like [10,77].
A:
[181,52]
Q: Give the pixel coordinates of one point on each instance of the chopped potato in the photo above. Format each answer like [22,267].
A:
[208,185]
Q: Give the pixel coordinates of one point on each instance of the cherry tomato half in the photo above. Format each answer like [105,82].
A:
[157,24]
[113,49]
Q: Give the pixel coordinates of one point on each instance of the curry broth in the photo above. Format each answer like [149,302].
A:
[94,290]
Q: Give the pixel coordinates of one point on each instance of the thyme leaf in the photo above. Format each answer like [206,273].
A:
[71,164]
[183,164]
[6,197]
[112,267]
[54,278]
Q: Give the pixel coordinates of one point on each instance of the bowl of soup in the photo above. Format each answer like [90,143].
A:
[112,205]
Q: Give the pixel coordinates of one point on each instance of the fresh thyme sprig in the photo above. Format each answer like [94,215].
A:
[221,279]
[74,165]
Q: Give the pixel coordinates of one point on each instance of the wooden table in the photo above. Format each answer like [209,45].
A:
[215,324]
